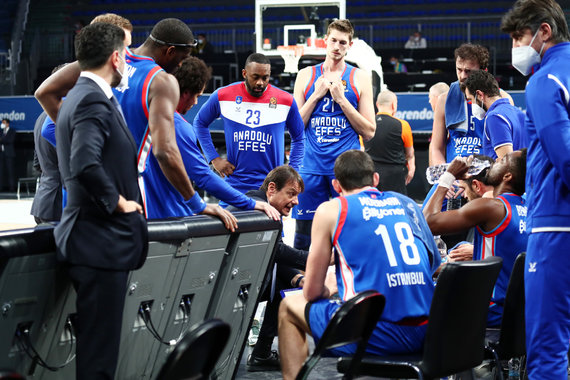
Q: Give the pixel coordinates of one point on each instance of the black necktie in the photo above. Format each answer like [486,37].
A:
[118,106]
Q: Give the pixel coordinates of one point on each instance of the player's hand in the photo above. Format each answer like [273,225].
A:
[337,91]
[330,282]
[454,191]
[223,166]
[268,209]
[410,176]
[464,252]
[296,278]
[226,217]
[459,192]
[459,166]
[125,206]
[322,86]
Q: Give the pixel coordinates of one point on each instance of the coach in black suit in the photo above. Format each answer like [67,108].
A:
[7,156]
[102,234]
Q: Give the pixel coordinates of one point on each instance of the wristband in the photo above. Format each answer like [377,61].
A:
[446,180]
[196,204]
[299,281]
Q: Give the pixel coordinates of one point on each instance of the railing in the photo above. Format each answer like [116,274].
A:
[57,46]
[195,270]
[379,33]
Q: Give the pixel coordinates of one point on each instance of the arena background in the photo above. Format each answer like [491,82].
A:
[36,36]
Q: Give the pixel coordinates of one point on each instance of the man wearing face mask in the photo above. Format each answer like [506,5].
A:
[503,129]
[204,48]
[416,41]
[103,233]
[398,66]
[541,40]
[255,116]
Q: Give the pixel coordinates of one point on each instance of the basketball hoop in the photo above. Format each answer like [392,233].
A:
[291,55]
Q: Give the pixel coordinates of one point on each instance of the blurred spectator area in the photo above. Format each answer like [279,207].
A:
[50,26]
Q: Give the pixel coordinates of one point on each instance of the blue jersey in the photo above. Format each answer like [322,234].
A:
[548,127]
[134,102]
[328,132]
[254,130]
[504,125]
[382,242]
[164,201]
[48,131]
[506,240]
[464,138]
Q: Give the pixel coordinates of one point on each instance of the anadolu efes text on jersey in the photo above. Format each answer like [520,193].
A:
[467,145]
[329,132]
[254,131]
[251,119]
[466,138]
[328,128]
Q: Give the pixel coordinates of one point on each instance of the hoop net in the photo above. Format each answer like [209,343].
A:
[291,55]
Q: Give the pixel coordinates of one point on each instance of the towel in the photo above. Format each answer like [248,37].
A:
[456,109]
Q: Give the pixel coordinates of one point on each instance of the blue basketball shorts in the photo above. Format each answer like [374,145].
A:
[387,338]
[318,189]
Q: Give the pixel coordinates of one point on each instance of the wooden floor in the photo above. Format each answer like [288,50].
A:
[15,214]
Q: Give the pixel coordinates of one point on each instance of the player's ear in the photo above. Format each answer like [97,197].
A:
[336,185]
[375,179]
[170,51]
[271,188]
[475,186]
[243,73]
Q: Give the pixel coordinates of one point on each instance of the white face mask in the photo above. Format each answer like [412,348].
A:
[124,83]
[3,125]
[477,110]
[525,57]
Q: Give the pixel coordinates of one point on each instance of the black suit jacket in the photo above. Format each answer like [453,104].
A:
[7,140]
[47,201]
[97,161]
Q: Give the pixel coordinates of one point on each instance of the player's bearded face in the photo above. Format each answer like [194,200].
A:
[499,168]
[256,77]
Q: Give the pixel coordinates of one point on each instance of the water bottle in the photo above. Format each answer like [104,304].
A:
[434,172]
[514,369]
[442,248]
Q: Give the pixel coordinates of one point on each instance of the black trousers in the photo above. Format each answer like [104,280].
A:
[100,301]
[392,177]
[268,329]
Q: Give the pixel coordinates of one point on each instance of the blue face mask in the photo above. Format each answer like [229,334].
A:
[393,63]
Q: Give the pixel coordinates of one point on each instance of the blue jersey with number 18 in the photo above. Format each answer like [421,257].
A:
[383,242]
